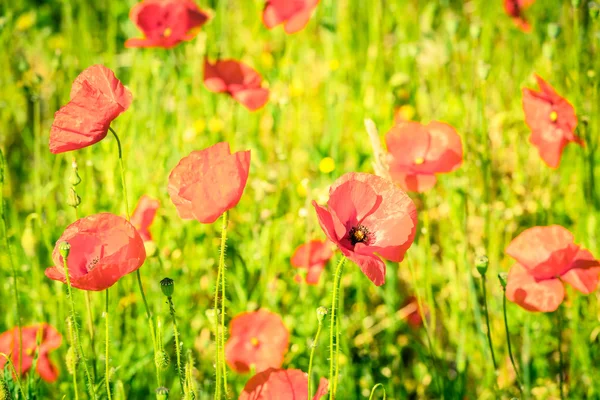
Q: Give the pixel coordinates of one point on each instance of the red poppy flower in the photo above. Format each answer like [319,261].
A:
[104,248]
[294,14]
[412,312]
[281,384]
[166,23]
[417,152]
[546,257]
[369,217]
[97,98]
[312,256]
[209,182]
[552,121]
[256,338]
[143,216]
[238,80]
[50,340]
[514,9]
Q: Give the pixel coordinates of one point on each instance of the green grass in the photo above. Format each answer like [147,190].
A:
[355,60]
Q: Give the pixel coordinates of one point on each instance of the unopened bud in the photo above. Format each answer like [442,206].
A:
[553,30]
[167,286]
[162,359]
[162,393]
[73,198]
[64,248]
[503,277]
[4,391]
[321,313]
[71,360]
[481,263]
[74,178]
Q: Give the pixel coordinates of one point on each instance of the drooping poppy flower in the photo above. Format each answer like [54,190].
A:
[312,256]
[238,80]
[50,340]
[97,98]
[166,23]
[546,257]
[552,121]
[514,9]
[369,217]
[256,338]
[209,182]
[294,14]
[143,216]
[416,153]
[104,248]
[281,384]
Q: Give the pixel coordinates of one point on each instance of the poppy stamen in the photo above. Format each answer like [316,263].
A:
[553,116]
[419,160]
[254,341]
[167,32]
[358,234]
[92,264]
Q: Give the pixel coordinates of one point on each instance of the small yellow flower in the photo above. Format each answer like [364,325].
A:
[406,112]
[25,21]
[215,125]
[199,125]
[334,65]
[327,165]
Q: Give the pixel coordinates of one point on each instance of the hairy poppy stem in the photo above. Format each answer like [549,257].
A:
[487,322]
[217,338]
[560,354]
[321,312]
[106,348]
[502,278]
[220,323]
[64,250]
[177,346]
[334,331]
[90,320]
[11,261]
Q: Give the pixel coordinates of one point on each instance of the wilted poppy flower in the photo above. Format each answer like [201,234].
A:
[209,182]
[143,216]
[369,217]
[50,340]
[552,121]
[417,152]
[256,338]
[294,14]
[238,80]
[97,98]
[546,257]
[281,384]
[514,9]
[104,248]
[166,23]
[312,256]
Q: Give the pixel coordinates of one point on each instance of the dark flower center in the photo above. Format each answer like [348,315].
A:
[358,234]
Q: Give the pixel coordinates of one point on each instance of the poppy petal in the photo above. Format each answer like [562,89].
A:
[533,295]
[371,265]
[326,222]
[349,203]
[418,183]
[252,99]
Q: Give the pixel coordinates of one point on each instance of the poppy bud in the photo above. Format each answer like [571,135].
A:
[321,313]
[28,241]
[162,393]
[71,360]
[482,265]
[64,248]
[73,198]
[167,286]
[162,359]
[4,392]
[503,276]
[74,178]
[553,30]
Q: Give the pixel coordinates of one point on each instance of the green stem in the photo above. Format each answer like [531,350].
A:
[312,355]
[560,354]
[78,344]
[73,347]
[11,261]
[177,347]
[17,377]
[487,323]
[510,353]
[334,334]
[122,172]
[222,268]
[107,363]
[90,321]
[375,388]
[217,338]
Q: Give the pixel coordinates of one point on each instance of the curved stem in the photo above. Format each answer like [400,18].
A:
[222,268]
[122,172]
[78,345]
[177,347]
[107,364]
[375,388]
[487,323]
[510,353]
[334,334]
[312,355]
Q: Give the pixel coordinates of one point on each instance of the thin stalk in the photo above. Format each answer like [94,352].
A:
[375,388]
[78,346]
[320,315]
[334,334]
[90,321]
[560,354]
[487,323]
[222,268]
[217,339]
[17,377]
[11,261]
[177,347]
[510,353]
[74,365]
[106,348]
[122,172]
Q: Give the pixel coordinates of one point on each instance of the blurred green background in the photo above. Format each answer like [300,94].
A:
[461,62]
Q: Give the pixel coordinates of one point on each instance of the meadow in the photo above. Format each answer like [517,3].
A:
[336,87]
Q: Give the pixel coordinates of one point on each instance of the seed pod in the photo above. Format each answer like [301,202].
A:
[503,276]
[64,248]
[482,265]
[167,286]
[162,393]
[321,313]
[73,198]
